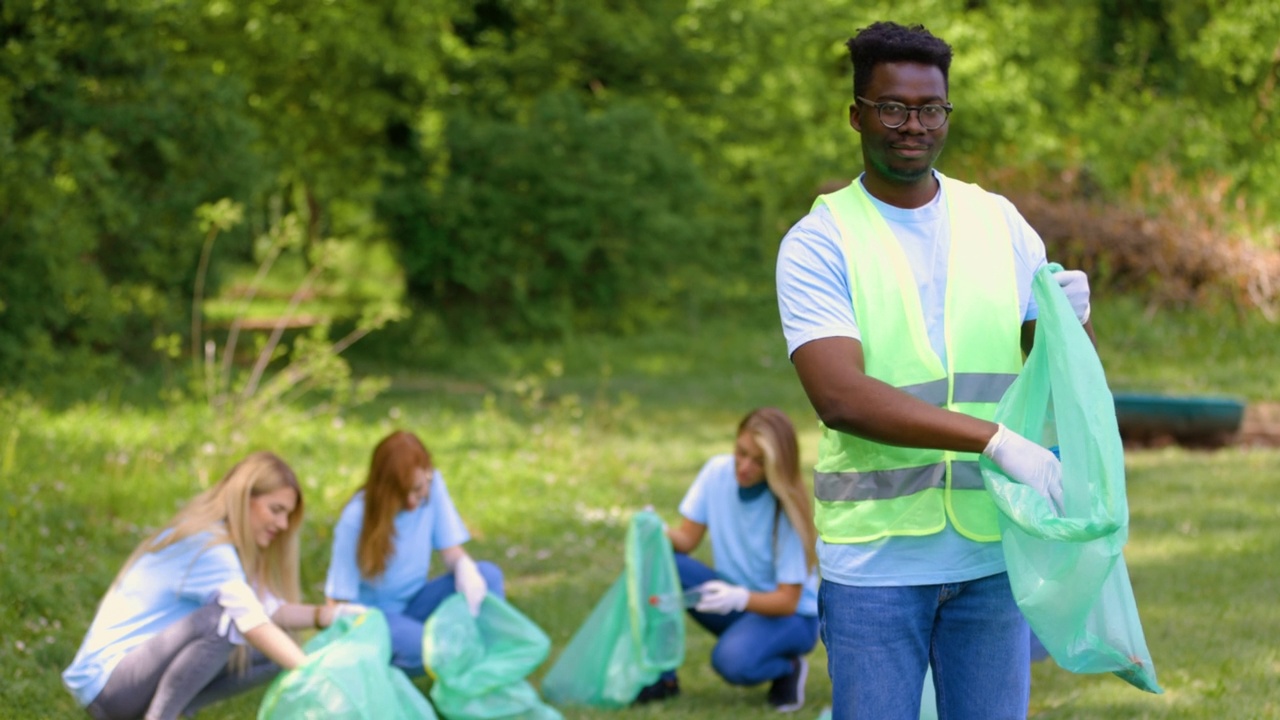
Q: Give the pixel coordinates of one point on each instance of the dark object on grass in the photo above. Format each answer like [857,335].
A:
[665,687]
[1185,420]
[786,694]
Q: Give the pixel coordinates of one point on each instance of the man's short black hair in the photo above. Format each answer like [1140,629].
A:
[886,42]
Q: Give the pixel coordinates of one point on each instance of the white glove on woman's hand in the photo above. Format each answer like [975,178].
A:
[349,610]
[1076,285]
[1027,463]
[721,598]
[468,581]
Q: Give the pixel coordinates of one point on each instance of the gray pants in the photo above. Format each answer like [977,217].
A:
[181,669]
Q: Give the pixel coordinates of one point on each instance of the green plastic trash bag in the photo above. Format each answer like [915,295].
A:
[479,664]
[1068,573]
[634,633]
[347,676]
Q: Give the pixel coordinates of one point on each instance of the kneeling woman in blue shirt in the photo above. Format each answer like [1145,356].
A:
[761,598]
[384,539]
[172,631]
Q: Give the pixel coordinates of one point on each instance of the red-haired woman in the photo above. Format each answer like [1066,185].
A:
[384,540]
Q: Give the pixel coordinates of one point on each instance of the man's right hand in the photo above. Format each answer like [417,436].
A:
[1027,463]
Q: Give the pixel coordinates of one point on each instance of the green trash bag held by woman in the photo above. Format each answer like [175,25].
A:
[347,676]
[479,664]
[634,634]
[1068,572]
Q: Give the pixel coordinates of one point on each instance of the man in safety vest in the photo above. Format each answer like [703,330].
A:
[906,304]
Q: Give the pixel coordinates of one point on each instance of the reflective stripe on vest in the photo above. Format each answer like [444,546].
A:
[969,388]
[867,490]
[886,484]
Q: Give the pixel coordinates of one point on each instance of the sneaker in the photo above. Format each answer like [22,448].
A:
[786,694]
[661,690]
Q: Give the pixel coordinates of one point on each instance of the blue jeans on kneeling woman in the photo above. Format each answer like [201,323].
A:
[752,648]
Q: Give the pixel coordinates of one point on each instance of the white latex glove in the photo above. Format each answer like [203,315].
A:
[721,598]
[1076,285]
[349,610]
[1027,463]
[468,581]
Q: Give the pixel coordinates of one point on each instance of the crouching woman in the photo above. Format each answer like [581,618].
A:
[384,541]
[760,599]
[201,609]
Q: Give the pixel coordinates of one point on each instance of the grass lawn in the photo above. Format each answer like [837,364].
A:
[548,450]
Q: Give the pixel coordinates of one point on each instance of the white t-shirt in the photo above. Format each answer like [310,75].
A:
[433,525]
[814,302]
[743,547]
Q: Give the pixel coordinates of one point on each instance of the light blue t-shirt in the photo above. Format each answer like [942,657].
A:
[159,589]
[814,302]
[743,547]
[434,525]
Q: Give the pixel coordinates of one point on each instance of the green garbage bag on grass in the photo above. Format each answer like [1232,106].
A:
[1068,573]
[479,664]
[634,633]
[347,676]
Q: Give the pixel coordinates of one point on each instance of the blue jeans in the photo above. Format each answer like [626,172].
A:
[406,626]
[880,640]
[752,648]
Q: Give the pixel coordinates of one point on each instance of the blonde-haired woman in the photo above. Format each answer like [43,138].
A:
[761,598]
[384,540]
[171,633]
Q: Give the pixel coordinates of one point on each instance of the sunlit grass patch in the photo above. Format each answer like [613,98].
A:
[547,450]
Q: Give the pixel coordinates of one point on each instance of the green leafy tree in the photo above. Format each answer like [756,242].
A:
[118,119]
[110,134]
[574,220]
[700,130]
[333,87]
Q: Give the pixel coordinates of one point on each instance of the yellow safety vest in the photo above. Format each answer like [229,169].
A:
[867,490]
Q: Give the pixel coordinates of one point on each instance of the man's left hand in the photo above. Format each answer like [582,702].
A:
[1076,285]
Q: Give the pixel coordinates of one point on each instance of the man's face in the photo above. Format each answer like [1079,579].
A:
[903,155]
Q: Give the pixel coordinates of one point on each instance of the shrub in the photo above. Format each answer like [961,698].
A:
[572,221]
[1169,242]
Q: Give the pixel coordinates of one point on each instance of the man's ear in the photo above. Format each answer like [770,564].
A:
[855,117]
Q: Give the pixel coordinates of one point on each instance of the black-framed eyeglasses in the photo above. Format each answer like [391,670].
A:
[894,114]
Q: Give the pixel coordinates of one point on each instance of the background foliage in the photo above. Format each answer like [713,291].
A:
[543,168]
